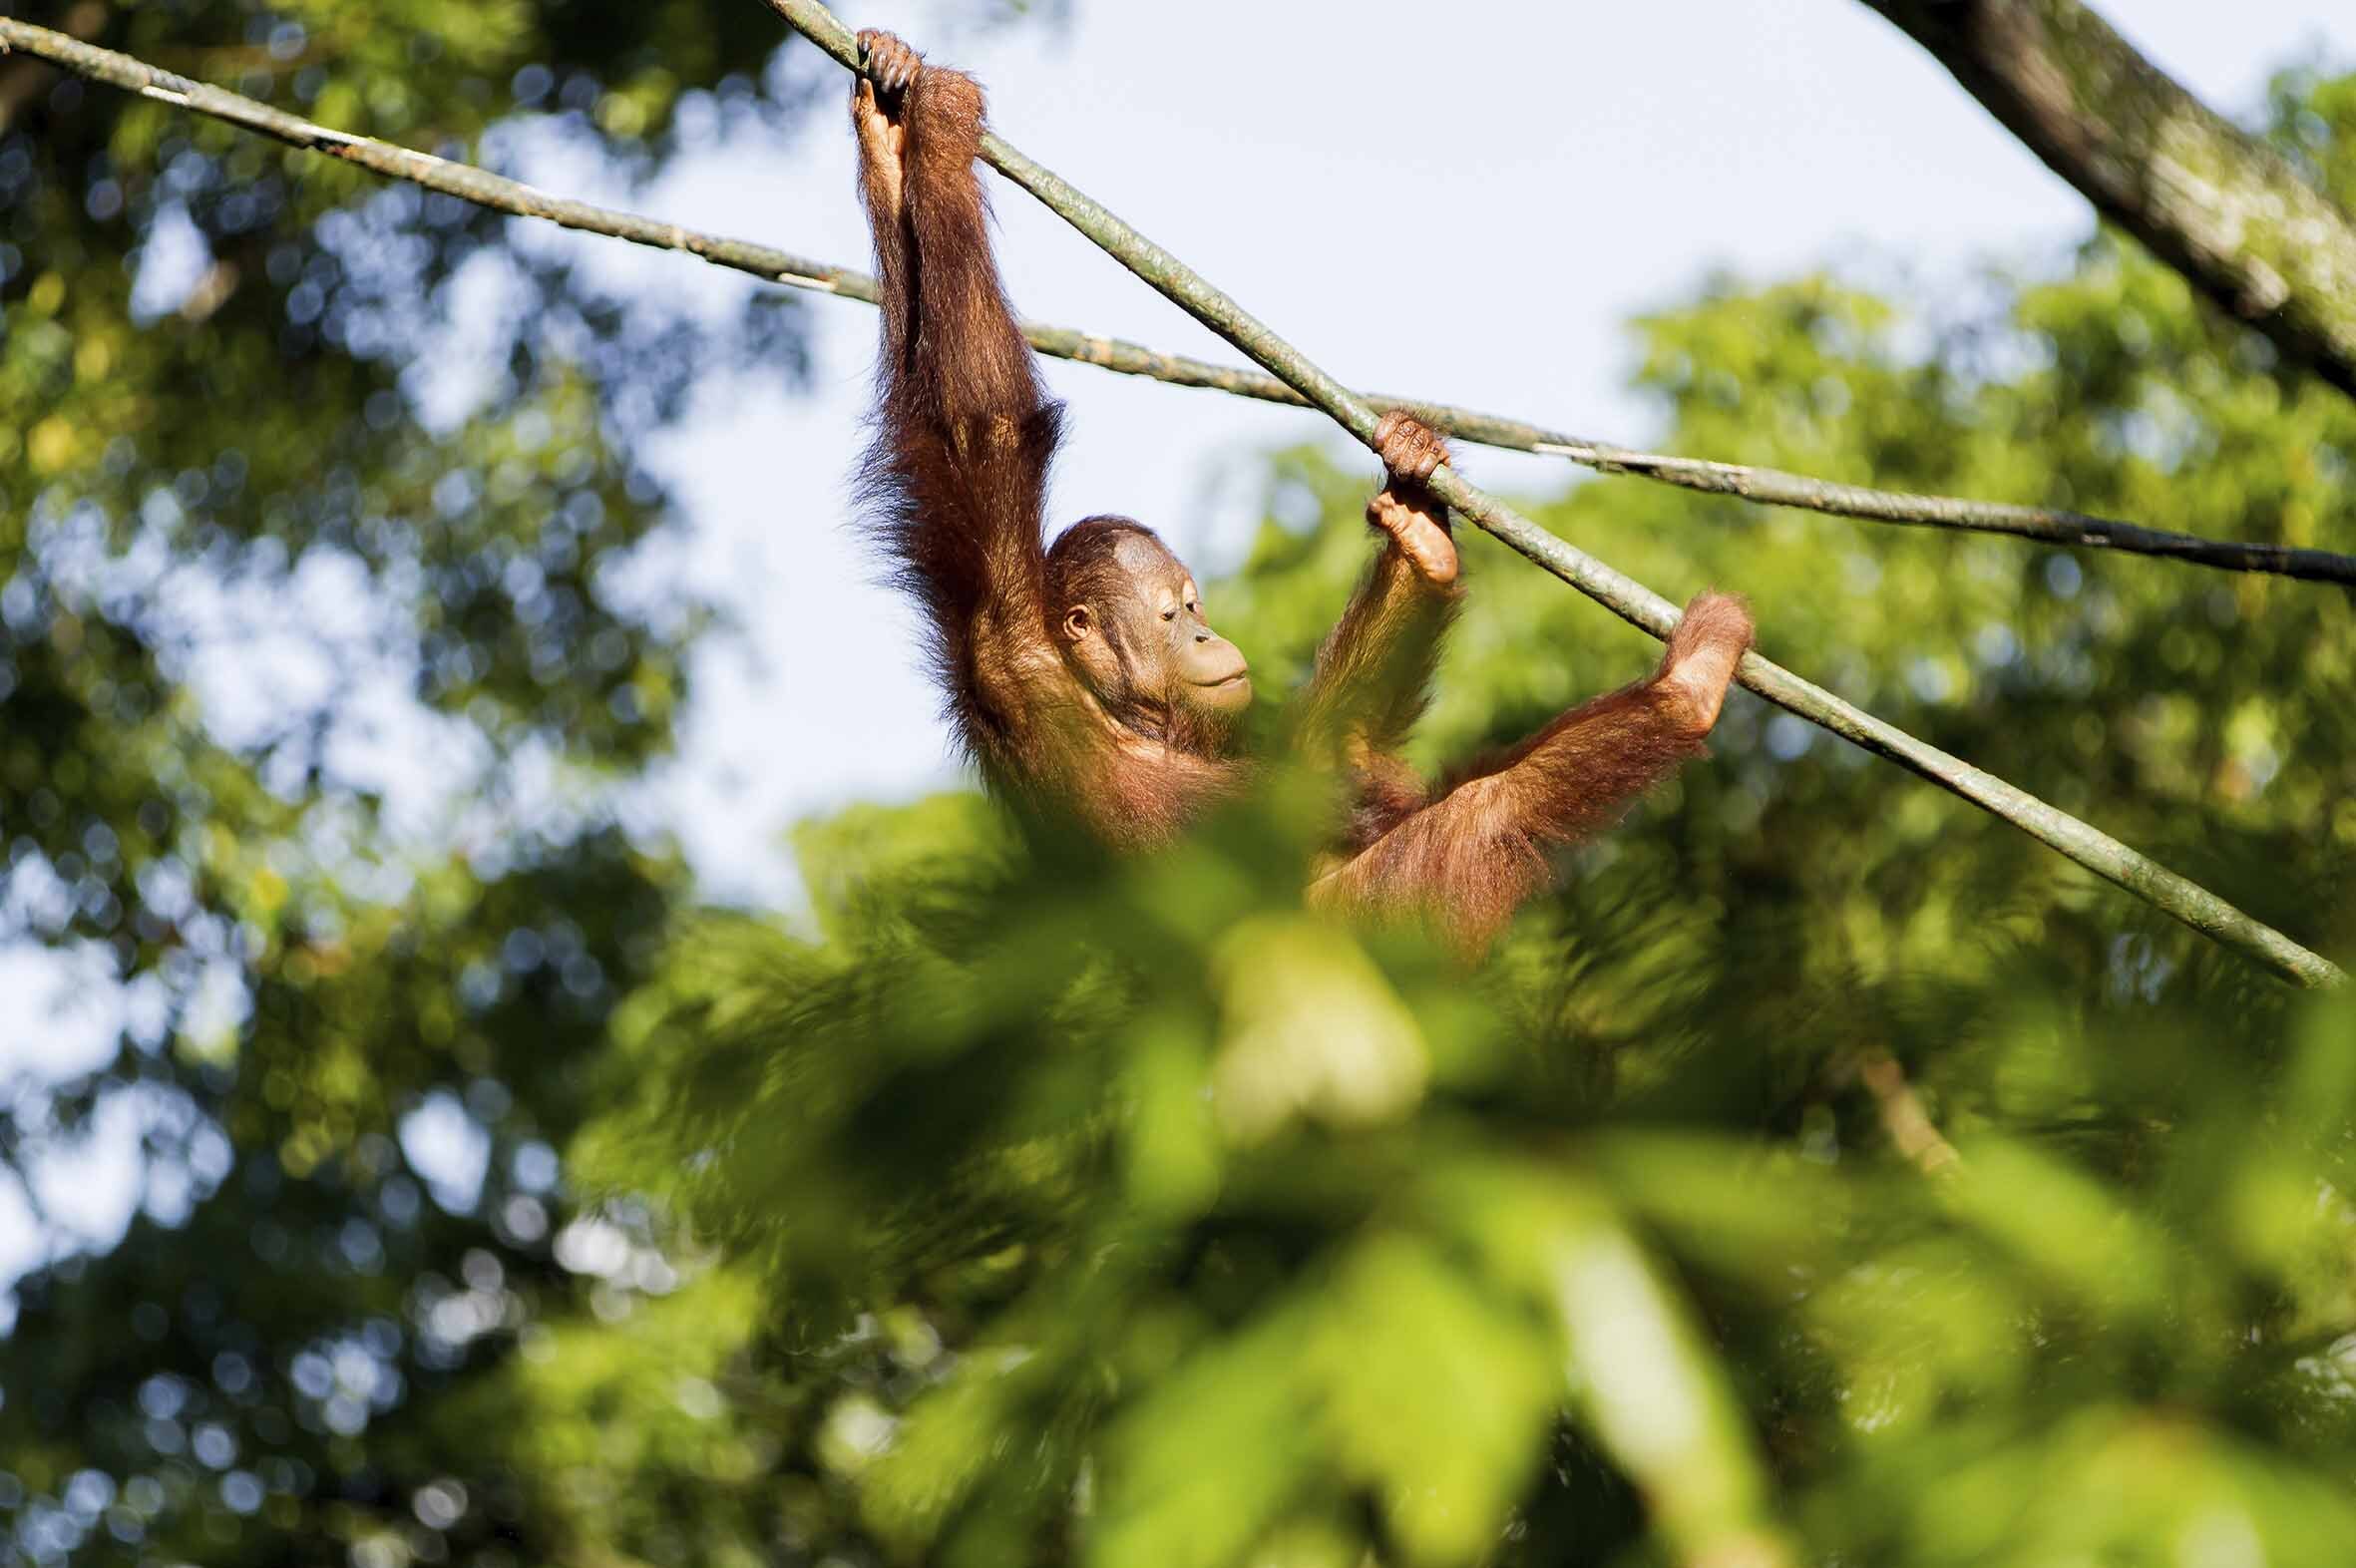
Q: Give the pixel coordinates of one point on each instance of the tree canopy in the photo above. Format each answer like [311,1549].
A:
[1828,1172]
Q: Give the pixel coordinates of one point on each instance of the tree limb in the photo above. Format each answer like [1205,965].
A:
[1626,598]
[1760,486]
[2210,199]
[464,181]
[1905,1119]
[2185,901]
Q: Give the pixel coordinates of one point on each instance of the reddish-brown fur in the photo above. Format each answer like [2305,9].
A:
[956,479]
[956,482]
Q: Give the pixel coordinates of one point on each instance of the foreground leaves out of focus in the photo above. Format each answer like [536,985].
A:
[1122,1210]
[1126,1207]
[1828,1168]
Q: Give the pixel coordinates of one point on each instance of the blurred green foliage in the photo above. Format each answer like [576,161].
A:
[1826,1173]
[286,525]
[1827,1170]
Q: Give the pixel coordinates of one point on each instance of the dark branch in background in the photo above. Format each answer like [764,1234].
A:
[1763,486]
[2215,202]
[1626,598]
[2187,902]
[24,80]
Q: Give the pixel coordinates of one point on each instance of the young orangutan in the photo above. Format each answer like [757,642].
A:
[1085,677]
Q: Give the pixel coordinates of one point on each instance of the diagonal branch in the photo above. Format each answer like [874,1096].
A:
[1768,486]
[435,174]
[2210,199]
[1762,485]
[2187,902]
[1905,1119]
[1626,598]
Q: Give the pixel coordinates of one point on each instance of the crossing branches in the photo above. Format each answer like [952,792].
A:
[1289,377]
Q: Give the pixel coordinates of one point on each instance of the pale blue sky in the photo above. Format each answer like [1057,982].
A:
[1590,162]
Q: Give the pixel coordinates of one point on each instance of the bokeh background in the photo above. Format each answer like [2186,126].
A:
[518,1046]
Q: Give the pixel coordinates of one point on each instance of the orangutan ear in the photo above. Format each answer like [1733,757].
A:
[1079,623]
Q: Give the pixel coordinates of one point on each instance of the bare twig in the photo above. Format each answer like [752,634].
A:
[435,174]
[1763,486]
[2187,902]
[2142,876]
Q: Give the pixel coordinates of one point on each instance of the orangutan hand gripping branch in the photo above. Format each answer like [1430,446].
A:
[1083,677]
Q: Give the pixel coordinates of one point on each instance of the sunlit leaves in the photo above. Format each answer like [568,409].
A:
[1825,1171]
[1006,1203]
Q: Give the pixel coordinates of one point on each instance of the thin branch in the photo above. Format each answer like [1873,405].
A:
[1904,1120]
[1763,486]
[2146,878]
[1631,601]
[435,174]
[2210,199]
